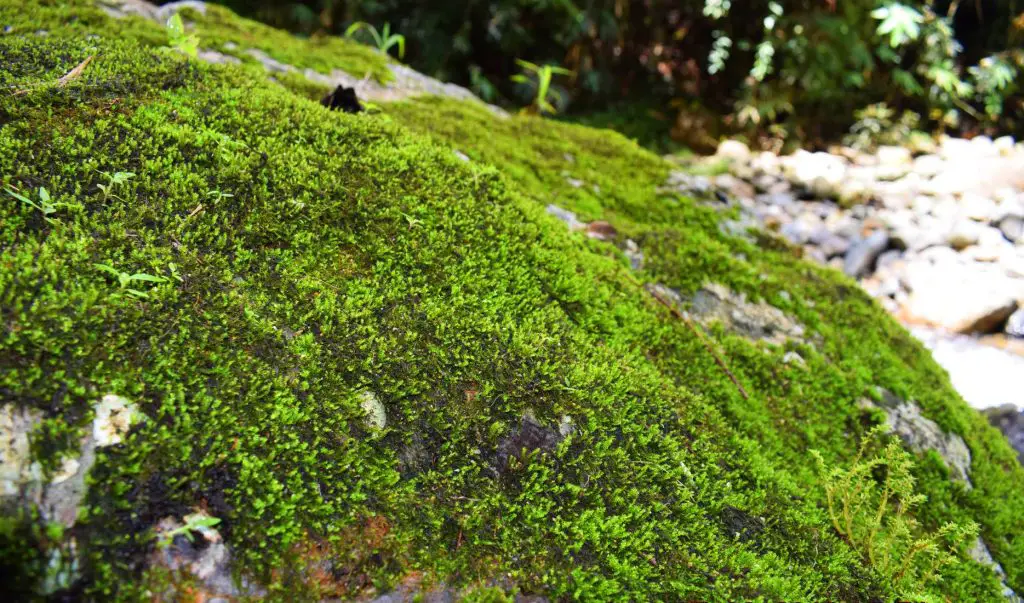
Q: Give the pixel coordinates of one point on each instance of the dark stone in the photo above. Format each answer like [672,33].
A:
[860,259]
[530,436]
[741,524]
[342,98]
[1010,420]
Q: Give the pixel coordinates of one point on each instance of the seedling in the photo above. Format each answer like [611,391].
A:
[114,180]
[180,41]
[540,76]
[45,205]
[194,522]
[218,195]
[124,279]
[384,39]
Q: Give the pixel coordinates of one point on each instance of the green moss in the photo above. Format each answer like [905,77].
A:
[358,253]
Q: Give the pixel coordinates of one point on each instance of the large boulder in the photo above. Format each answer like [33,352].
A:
[253,347]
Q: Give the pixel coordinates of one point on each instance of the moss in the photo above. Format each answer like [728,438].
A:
[317,256]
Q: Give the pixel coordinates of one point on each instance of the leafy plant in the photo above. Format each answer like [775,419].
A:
[125,279]
[114,180]
[179,40]
[878,124]
[540,77]
[384,39]
[899,22]
[45,205]
[871,505]
[194,522]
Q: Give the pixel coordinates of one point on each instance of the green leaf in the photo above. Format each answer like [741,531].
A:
[175,27]
[149,278]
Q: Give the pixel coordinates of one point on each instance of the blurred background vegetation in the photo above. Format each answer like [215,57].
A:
[687,71]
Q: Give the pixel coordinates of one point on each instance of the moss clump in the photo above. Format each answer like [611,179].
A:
[550,427]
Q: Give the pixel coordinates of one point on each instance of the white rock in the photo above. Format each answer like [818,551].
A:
[376,415]
[893,155]
[733,150]
[962,298]
[15,455]
[114,416]
[1004,145]
[929,165]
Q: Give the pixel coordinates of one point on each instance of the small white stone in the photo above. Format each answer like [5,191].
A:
[115,415]
[376,415]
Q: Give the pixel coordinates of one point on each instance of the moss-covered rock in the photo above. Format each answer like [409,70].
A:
[362,344]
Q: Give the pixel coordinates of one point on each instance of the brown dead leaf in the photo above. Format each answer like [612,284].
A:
[76,72]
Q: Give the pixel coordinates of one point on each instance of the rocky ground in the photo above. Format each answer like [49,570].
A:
[937,236]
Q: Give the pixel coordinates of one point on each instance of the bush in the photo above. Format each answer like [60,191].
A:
[805,66]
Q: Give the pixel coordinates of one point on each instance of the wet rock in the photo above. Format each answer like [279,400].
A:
[1009,419]
[920,434]
[860,259]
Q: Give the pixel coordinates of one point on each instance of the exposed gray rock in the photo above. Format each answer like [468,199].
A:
[758,321]
[861,257]
[566,216]
[921,434]
[634,254]
[1009,419]
[205,559]
[979,552]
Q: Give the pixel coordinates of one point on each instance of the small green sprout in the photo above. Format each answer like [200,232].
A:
[384,39]
[46,206]
[124,279]
[411,220]
[174,272]
[218,195]
[113,181]
[194,522]
[540,77]
[180,41]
